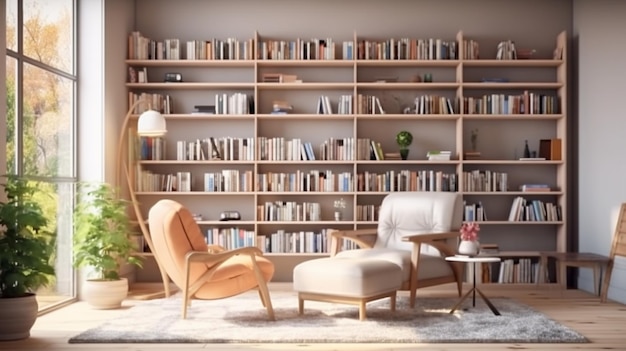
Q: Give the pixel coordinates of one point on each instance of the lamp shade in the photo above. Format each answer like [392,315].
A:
[152,124]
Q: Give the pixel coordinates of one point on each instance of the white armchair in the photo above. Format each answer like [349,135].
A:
[416,230]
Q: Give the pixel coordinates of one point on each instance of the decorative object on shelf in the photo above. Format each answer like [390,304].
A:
[404,139]
[173,78]
[339,205]
[230,216]
[428,78]
[474,153]
[526,149]
[150,123]
[474,139]
[469,244]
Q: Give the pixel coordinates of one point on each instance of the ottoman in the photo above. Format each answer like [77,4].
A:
[348,280]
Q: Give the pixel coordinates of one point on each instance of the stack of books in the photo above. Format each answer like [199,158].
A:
[534,187]
[200,109]
[280,78]
[392,156]
[438,155]
[471,155]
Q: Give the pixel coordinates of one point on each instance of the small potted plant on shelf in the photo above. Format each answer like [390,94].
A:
[404,139]
[26,248]
[102,242]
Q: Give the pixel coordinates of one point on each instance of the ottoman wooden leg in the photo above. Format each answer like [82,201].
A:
[362,314]
[300,305]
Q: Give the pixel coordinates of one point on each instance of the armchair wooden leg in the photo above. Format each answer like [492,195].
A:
[265,294]
[185,294]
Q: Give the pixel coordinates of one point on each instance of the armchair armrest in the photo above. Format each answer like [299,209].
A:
[365,238]
[437,240]
[217,254]
[215,259]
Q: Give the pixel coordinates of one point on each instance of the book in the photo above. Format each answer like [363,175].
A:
[534,187]
[532,158]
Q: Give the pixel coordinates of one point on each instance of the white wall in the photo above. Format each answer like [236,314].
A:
[599,29]
[103,27]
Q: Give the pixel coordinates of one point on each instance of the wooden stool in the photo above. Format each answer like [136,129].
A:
[575,259]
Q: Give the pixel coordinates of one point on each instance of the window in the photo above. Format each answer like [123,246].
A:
[41,89]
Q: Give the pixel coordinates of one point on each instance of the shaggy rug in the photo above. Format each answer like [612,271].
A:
[242,319]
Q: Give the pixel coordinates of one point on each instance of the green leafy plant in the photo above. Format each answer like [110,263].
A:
[404,139]
[102,231]
[25,244]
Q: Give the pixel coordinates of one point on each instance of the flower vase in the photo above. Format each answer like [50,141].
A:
[468,247]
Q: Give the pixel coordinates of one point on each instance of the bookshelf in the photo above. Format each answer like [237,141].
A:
[442,102]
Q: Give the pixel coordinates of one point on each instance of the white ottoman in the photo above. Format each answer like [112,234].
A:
[346,280]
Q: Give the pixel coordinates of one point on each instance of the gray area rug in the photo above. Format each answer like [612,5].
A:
[242,319]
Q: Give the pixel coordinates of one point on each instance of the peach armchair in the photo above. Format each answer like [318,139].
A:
[202,271]
[416,230]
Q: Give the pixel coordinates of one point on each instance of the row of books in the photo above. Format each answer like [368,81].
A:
[149,181]
[474,212]
[224,148]
[435,105]
[367,213]
[282,241]
[157,102]
[534,210]
[228,180]
[289,211]
[407,49]
[313,180]
[298,49]
[509,271]
[487,180]
[525,103]
[218,49]
[344,106]
[230,238]
[407,180]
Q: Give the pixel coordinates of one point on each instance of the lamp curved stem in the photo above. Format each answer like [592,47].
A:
[122,168]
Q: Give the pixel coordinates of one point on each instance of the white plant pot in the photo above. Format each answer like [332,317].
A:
[17,317]
[468,247]
[105,294]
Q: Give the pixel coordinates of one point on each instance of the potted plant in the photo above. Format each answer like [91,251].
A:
[404,139]
[26,246]
[102,242]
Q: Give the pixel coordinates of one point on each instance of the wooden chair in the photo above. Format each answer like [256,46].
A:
[618,248]
[592,260]
[202,271]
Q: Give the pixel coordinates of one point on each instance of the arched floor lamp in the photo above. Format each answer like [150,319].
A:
[150,123]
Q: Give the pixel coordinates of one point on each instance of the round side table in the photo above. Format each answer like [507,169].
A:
[474,260]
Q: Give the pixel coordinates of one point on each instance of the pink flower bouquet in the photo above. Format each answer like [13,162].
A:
[469,231]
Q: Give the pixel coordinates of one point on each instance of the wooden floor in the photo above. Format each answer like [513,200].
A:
[603,324]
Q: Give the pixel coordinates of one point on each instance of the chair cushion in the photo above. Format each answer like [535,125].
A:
[409,213]
[430,266]
[234,276]
[351,277]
